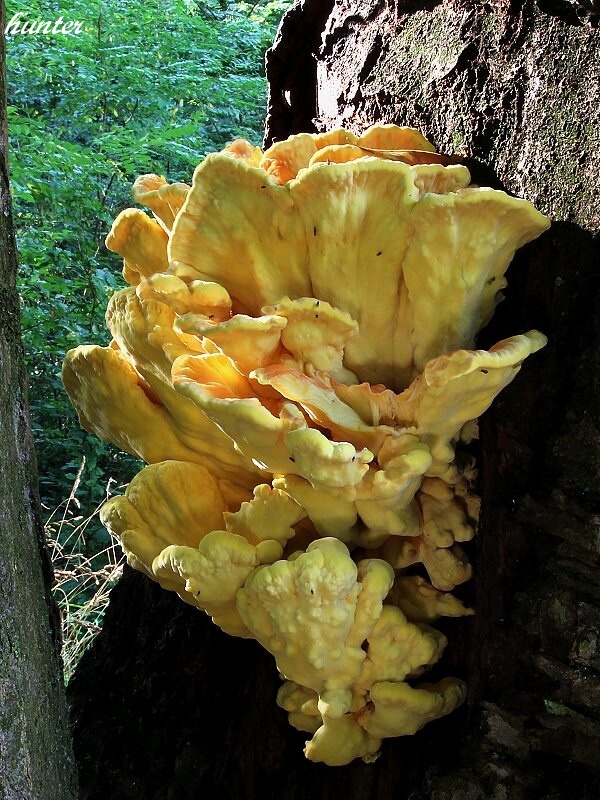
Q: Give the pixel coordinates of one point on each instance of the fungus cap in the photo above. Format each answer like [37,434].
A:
[297,423]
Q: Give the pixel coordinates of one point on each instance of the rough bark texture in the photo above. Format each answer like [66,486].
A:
[36,759]
[165,706]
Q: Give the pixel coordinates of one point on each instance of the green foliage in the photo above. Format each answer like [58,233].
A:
[146,87]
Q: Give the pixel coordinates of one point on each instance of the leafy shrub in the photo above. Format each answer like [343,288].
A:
[146,87]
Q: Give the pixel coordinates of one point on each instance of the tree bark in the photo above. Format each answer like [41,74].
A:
[166,706]
[36,758]
[512,87]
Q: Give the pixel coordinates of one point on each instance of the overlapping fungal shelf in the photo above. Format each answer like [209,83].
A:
[293,358]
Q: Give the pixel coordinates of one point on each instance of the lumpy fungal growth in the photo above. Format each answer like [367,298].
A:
[294,360]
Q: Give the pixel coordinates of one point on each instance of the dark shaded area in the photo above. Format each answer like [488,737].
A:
[574,12]
[292,71]
[535,670]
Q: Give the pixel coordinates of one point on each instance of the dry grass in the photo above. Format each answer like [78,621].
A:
[82,581]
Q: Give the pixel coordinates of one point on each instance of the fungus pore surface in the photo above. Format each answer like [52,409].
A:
[294,359]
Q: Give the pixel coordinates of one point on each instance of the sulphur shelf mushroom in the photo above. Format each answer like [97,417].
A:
[305,482]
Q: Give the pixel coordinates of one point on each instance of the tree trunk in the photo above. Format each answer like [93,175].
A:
[36,759]
[166,706]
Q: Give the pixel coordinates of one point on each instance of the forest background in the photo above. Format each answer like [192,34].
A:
[146,87]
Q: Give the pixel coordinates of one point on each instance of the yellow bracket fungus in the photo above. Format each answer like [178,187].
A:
[294,360]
